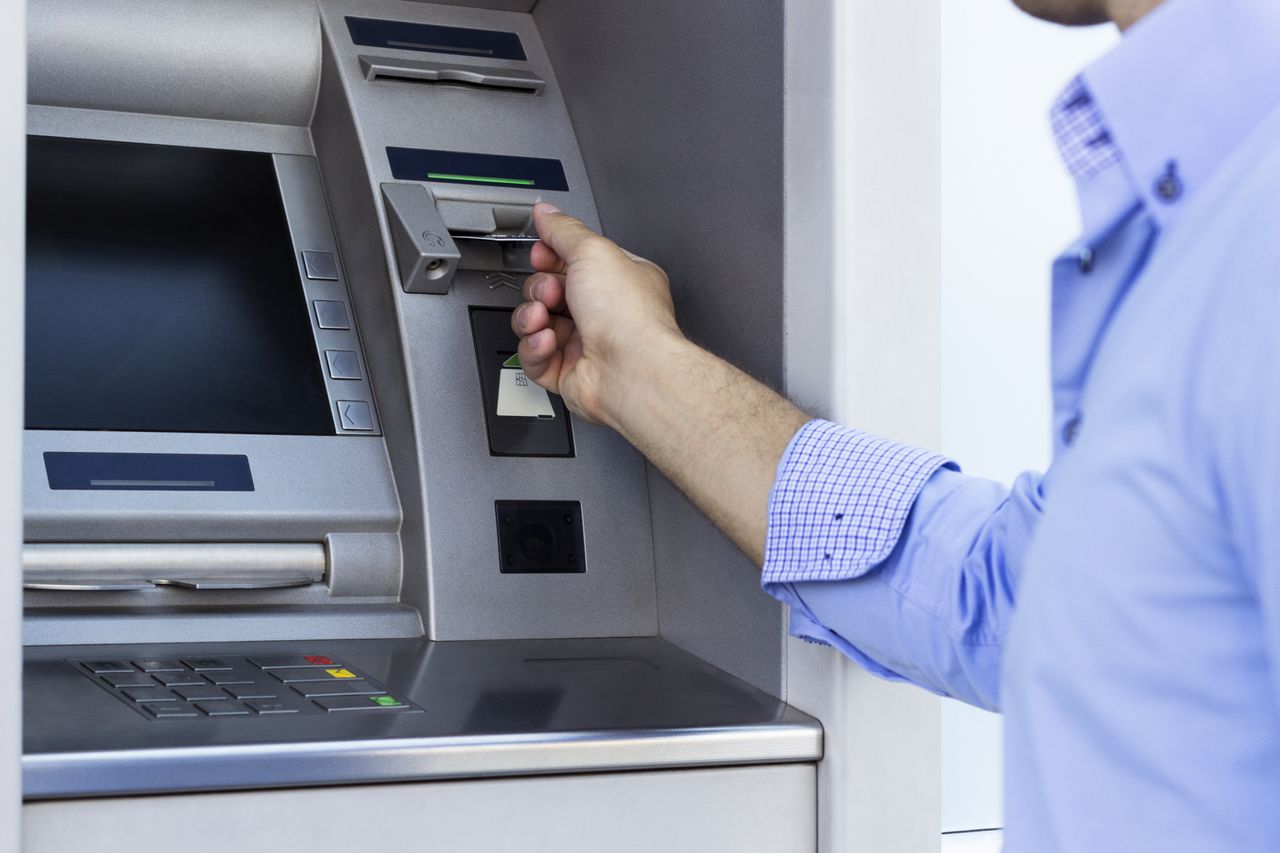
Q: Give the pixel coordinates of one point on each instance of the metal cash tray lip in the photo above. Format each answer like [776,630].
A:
[793,738]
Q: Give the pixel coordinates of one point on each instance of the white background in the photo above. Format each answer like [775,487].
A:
[1007,207]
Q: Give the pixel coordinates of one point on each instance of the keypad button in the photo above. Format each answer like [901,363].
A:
[266,708]
[170,709]
[254,691]
[293,661]
[337,688]
[223,709]
[100,667]
[361,703]
[180,679]
[136,679]
[159,665]
[232,677]
[297,676]
[150,694]
[207,664]
[207,693]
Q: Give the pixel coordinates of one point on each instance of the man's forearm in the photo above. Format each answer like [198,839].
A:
[714,431]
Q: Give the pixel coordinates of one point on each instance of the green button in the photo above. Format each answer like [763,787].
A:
[386,700]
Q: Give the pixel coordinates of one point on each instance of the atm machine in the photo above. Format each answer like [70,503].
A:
[308,562]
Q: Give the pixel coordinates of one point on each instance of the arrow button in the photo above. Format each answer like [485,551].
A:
[355,415]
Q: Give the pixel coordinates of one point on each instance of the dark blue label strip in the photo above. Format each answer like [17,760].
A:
[494,170]
[149,472]
[429,38]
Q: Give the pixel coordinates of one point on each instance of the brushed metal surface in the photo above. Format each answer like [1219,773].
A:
[496,708]
[47,561]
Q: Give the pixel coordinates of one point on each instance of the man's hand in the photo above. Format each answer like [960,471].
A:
[589,309]
[598,328]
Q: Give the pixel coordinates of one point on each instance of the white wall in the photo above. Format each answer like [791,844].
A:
[13,146]
[1008,207]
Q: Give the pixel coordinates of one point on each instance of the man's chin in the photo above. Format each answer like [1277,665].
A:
[1072,13]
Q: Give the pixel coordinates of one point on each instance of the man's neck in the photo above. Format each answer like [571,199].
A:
[1126,13]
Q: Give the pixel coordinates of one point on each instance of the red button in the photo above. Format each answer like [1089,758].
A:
[318,660]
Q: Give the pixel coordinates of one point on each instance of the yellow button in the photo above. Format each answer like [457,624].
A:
[341,673]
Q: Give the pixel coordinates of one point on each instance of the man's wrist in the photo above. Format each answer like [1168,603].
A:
[630,385]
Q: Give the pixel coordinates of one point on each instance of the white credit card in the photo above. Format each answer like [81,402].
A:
[520,397]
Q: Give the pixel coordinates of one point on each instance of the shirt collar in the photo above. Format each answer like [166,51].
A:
[1167,106]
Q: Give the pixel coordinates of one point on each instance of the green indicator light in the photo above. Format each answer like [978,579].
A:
[387,701]
[476,179]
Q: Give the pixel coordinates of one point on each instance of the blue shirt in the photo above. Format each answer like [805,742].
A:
[1123,609]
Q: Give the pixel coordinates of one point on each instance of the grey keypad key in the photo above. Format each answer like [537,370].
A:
[206,664]
[180,679]
[159,665]
[267,708]
[359,688]
[232,677]
[255,691]
[223,709]
[170,709]
[328,674]
[136,679]
[150,694]
[361,703]
[208,693]
[293,661]
[100,667]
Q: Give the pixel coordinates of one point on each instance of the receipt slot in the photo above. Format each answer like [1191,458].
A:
[521,418]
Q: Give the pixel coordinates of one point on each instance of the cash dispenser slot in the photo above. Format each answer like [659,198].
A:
[394,69]
[199,566]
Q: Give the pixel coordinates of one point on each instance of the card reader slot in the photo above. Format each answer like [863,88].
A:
[219,565]
[515,80]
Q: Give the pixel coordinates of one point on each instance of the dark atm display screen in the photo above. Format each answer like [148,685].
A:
[162,294]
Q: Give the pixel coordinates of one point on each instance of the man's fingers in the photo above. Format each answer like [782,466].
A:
[540,358]
[565,236]
[543,259]
[547,289]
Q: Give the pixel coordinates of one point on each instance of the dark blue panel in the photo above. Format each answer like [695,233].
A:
[495,170]
[400,35]
[149,472]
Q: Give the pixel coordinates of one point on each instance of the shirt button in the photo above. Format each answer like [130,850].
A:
[1169,185]
[1071,431]
[1085,260]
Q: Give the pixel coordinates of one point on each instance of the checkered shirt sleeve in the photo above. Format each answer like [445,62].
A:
[840,502]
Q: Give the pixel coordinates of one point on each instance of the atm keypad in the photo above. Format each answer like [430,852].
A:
[232,686]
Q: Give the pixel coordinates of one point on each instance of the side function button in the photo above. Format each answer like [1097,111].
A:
[332,315]
[292,661]
[343,364]
[361,703]
[320,266]
[101,667]
[355,414]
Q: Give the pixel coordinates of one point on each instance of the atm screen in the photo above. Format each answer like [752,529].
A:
[163,295]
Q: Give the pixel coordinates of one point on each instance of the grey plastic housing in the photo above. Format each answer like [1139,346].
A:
[426,256]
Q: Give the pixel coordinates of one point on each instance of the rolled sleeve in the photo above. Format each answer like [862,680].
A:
[840,502]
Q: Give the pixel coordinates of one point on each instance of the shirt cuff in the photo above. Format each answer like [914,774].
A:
[839,502]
